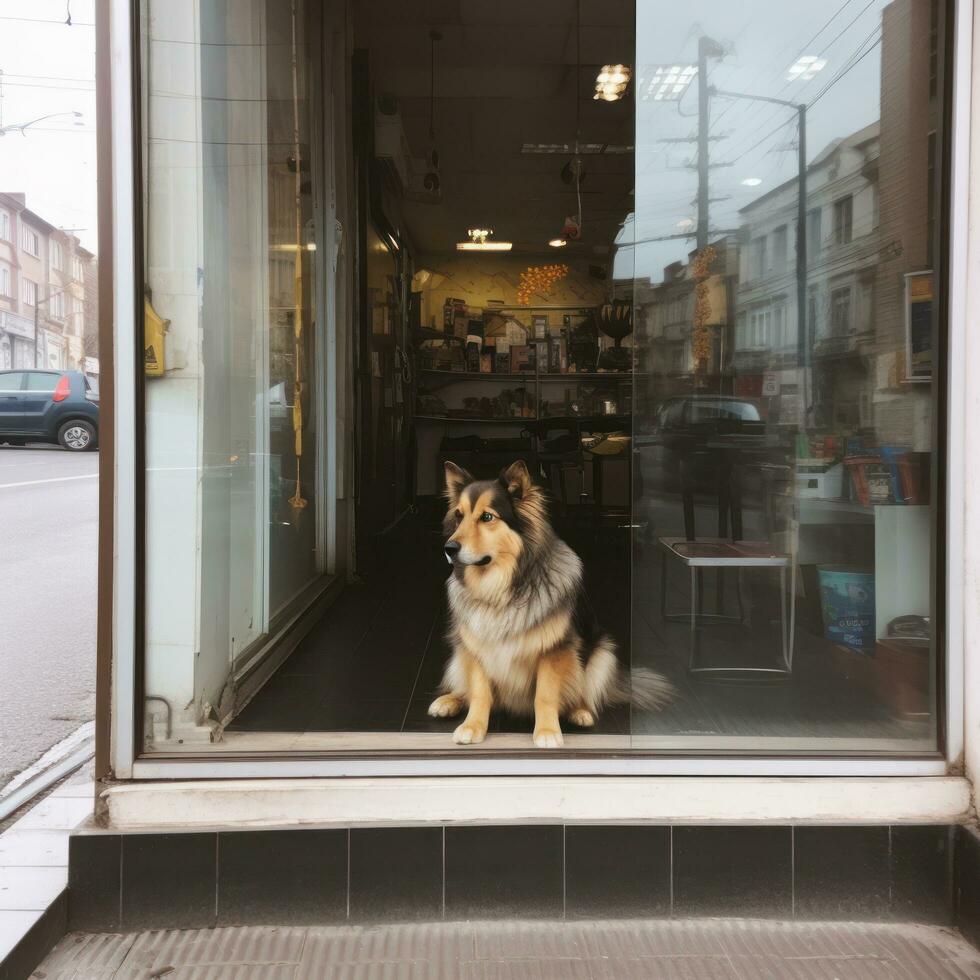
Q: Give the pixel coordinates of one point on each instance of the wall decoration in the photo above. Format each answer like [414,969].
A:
[700,335]
[538,279]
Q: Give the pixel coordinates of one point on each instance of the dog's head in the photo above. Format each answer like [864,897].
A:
[489,523]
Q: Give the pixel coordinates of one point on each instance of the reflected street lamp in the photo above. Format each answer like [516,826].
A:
[52,115]
[803,345]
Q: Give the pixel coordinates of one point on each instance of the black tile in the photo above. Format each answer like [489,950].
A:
[495,872]
[617,871]
[968,883]
[276,714]
[282,877]
[841,872]
[743,871]
[168,881]
[922,870]
[40,939]
[357,716]
[396,873]
[93,882]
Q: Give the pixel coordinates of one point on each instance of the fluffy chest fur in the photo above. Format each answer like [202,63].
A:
[509,625]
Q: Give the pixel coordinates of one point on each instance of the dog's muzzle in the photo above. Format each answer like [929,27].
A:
[453,551]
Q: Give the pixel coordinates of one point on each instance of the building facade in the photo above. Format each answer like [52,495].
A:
[48,291]
[262,273]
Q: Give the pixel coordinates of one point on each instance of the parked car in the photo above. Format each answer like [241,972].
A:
[694,435]
[49,406]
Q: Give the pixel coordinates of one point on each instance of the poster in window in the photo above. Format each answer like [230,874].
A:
[918,325]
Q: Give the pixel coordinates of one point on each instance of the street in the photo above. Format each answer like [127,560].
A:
[48,541]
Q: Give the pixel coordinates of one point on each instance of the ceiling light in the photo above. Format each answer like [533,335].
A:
[611,82]
[752,181]
[805,67]
[557,243]
[478,242]
[484,246]
[665,83]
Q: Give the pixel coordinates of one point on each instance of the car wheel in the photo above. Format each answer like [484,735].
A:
[77,436]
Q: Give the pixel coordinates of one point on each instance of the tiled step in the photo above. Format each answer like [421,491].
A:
[730,949]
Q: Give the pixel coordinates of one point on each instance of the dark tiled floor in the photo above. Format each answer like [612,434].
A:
[375,660]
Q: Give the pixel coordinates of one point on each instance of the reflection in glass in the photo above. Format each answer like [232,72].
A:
[780,261]
[231,439]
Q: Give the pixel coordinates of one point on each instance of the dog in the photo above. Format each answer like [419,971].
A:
[523,635]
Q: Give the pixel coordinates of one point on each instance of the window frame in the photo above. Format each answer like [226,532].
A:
[26,231]
[120,207]
[844,220]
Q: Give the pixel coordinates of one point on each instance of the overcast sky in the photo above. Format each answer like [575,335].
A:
[49,67]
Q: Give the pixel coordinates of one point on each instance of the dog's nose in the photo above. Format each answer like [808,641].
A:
[452,549]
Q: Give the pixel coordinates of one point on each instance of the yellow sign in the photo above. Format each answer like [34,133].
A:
[154,331]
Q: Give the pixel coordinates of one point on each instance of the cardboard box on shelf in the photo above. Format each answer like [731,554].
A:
[522,359]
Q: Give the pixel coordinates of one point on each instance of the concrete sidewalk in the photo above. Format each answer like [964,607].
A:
[707,949]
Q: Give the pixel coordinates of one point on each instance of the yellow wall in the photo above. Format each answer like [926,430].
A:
[477,278]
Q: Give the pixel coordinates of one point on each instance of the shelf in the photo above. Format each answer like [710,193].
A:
[479,375]
[589,376]
[504,420]
[521,375]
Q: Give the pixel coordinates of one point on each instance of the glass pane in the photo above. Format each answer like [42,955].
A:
[231,436]
[784,414]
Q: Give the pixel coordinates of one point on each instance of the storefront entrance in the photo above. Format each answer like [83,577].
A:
[685,263]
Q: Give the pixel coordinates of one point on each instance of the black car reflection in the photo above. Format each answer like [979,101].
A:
[714,446]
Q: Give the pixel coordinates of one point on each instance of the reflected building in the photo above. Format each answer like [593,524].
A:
[869,235]
[842,254]
[664,318]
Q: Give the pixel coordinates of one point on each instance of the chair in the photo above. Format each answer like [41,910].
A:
[728,552]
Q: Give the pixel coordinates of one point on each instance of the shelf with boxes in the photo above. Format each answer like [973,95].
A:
[477,376]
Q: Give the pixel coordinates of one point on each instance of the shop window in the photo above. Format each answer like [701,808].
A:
[739,444]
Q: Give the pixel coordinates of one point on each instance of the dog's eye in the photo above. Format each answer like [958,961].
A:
[486,517]
[458,515]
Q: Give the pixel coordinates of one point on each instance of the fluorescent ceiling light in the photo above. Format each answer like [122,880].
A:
[752,181]
[557,243]
[478,242]
[611,82]
[805,67]
[484,246]
[665,83]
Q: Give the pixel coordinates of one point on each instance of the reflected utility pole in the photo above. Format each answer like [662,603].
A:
[707,48]
[802,329]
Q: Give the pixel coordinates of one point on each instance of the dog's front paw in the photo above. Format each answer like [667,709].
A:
[445,706]
[548,738]
[469,734]
[582,717]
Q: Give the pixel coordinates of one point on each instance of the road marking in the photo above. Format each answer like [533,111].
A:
[54,479]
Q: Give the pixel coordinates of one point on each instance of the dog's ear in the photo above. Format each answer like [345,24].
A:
[456,479]
[516,479]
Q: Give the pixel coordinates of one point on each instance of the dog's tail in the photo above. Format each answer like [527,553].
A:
[607,681]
